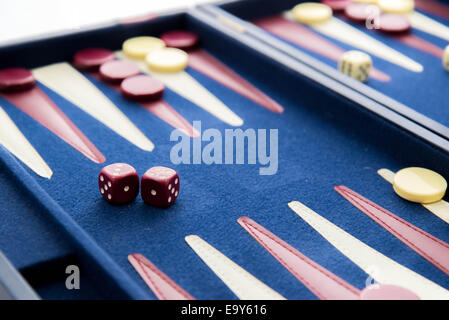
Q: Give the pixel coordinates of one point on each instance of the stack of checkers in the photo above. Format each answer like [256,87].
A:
[126,74]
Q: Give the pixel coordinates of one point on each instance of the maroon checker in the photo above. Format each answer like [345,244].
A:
[160,186]
[118,70]
[16,79]
[92,58]
[180,39]
[337,5]
[358,12]
[394,23]
[118,183]
[142,87]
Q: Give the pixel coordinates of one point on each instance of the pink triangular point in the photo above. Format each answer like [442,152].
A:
[429,247]
[208,65]
[38,105]
[165,112]
[162,286]
[434,7]
[420,44]
[323,283]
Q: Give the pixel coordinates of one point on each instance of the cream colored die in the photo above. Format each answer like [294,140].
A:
[355,64]
[446,58]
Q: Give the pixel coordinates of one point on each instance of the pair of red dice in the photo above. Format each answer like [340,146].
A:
[119,184]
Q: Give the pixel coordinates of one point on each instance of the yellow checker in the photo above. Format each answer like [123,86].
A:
[312,13]
[167,60]
[419,185]
[139,47]
[446,58]
[396,6]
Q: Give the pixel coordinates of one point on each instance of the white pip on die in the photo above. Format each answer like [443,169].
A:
[356,64]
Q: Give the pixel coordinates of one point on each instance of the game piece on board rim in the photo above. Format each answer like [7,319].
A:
[181,39]
[312,13]
[139,47]
[118,183]
[118,70]
[92,58]
[167,60]
[142,88]
[16,79]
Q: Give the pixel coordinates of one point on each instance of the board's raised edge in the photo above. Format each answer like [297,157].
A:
[312,69]
[295,53]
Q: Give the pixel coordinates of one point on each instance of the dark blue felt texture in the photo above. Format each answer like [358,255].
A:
[27,237]
[324,140]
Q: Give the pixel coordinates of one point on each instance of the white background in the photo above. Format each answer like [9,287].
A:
[27,18]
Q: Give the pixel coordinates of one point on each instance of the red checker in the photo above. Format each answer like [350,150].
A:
[142,87]
[180,39]
[118,70]
[337,5]
[92,58]
[359,12]
[16,79]
[387,292]
[394,23]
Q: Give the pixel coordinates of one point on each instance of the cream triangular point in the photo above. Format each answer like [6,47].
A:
[186,86]
[15,142]
[381,268]
[426,24]
[439,208]
[343,32]
[386,174]
[244,285]
[73,86]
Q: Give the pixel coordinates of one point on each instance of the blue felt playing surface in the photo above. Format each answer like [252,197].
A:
[323,141]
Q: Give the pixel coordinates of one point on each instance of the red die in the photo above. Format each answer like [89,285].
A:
[160,186]
[118,183]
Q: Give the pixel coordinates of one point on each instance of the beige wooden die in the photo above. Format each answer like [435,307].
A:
[355,64]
